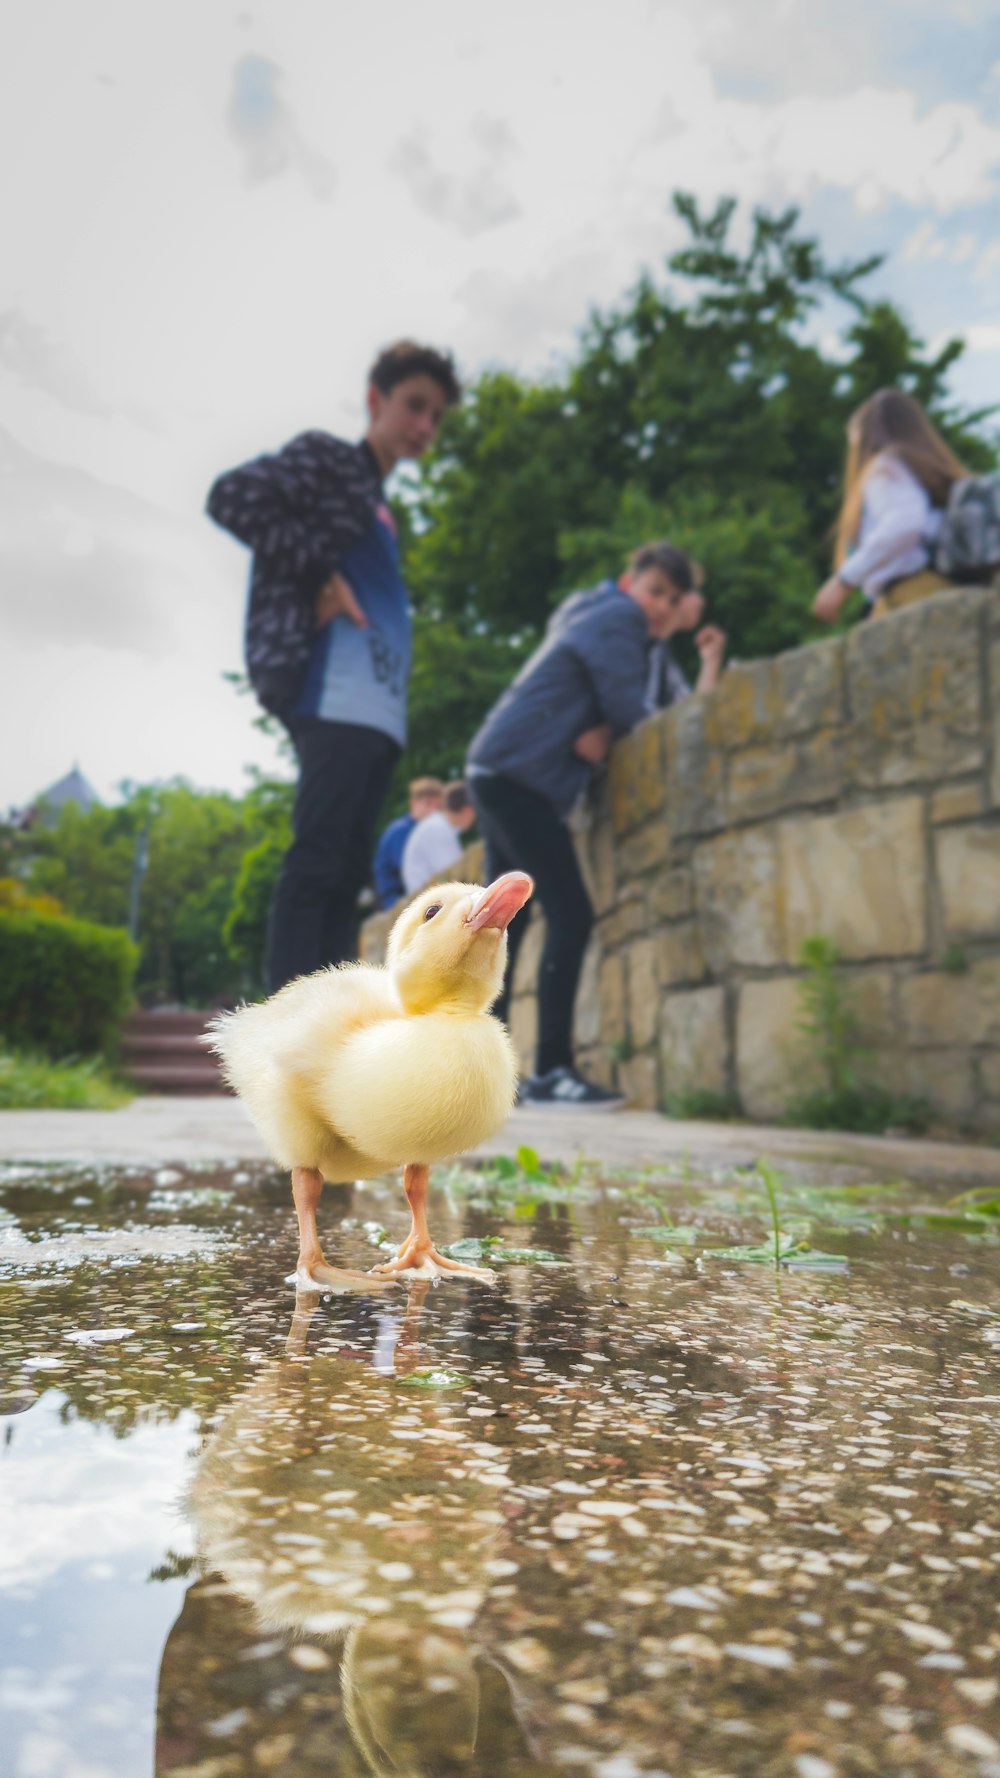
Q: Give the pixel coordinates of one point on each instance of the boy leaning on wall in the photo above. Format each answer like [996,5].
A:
[604,665]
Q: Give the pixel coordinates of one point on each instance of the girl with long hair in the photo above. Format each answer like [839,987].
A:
[898,477]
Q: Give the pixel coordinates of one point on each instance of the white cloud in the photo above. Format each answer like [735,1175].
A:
[982,336]
[470,201]
[265,129]
[187,277]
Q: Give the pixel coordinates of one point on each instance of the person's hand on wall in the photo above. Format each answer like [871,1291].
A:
[830,599]
[338,599]
[594,744]
[710,642]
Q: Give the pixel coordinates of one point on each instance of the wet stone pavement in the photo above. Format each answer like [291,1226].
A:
[649,1505]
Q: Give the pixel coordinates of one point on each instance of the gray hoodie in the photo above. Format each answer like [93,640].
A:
[592,667]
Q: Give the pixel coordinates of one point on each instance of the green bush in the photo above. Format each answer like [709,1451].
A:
[65,985]
[31,1082]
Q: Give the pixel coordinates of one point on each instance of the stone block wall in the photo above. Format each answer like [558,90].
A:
[850,788]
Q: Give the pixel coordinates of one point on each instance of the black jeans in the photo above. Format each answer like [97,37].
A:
[344,773]
[523,832]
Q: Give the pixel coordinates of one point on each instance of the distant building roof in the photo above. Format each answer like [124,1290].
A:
[74,788]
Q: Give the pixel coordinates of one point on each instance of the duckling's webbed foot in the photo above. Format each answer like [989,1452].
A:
[422,1260]
[312,1269]
[418,1254]
[329,1280]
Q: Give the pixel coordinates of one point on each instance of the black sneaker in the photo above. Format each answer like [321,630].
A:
[563,1086]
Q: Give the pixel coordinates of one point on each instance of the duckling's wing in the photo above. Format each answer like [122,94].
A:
[273,1054]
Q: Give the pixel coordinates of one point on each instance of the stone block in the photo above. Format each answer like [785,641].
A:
[694,1047]
[993,658]
[939,1008]
[968,861]
[879,1044]
[373,936]
[872,994]
[744,707]
[695,771]
[638,1079]
[611,978]
[597,1065]
[679,954]
[914,685]
[524,1029]
[784,775]
[946,1079]
[643,991]
[587,1012]
[858,877]
[470,867]
[636,787]
[625,920]
[758,779]
[529,956]
[670,895]
[769,1047]
[640,852]
[958,802]
[601,874]
[810,688]
[989,1073]
[740,900]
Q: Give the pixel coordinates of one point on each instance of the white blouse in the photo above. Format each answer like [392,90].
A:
[899,526]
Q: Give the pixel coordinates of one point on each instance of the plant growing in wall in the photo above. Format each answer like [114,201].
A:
[830,1028]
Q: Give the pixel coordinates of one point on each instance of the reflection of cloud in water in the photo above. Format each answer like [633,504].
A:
[111,1497]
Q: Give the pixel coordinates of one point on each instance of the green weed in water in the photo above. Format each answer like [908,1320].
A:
[431,1376]
[491,1248]
[785,1248]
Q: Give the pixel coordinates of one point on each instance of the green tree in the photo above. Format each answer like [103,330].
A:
[709,407]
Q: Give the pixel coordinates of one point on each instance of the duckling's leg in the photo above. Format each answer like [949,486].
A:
[418,1252]
[312,1271]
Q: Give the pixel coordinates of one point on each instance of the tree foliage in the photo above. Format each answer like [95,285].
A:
[710,407]
[194,844]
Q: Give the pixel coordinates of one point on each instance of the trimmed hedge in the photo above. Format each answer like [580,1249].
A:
[65,985]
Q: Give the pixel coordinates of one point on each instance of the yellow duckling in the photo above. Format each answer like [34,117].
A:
[358,1069]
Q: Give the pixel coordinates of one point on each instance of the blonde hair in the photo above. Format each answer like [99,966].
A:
[426,787]
[892,423]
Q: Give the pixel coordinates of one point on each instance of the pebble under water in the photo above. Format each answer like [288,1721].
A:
[652,1504]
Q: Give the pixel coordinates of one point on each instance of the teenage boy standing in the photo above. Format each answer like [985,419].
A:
[591,681]
[328,640]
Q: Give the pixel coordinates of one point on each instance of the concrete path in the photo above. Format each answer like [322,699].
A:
[152,1131]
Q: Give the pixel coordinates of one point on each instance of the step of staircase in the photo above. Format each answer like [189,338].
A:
[162,1052]
[162,1077]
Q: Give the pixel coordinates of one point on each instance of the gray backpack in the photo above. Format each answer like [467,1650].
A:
[968,546]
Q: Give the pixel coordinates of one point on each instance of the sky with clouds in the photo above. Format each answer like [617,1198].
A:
[214,215]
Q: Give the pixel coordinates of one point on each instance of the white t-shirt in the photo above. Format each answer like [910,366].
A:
[899,526]
[433,846]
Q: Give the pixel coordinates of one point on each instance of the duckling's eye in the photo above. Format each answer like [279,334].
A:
[431,911]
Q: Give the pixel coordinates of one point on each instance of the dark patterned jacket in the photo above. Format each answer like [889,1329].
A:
[299,510]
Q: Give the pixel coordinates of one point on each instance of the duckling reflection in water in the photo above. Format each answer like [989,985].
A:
[333,1526]
[356,1069]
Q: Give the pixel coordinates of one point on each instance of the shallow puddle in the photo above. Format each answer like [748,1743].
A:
[648,1505]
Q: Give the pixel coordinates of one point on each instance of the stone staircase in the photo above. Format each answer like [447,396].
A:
[161,1053]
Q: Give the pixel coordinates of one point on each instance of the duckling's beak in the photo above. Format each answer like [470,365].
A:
[498,904]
